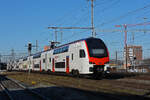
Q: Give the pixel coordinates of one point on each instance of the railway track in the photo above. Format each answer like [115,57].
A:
[16,84]
[7,94]
[83,87]
[16,91]
[9,85]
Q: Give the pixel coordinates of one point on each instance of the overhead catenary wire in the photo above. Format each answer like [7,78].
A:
[84,19]
[125,15]
[63,20]
[102,2]
[140,17]
[92,23]
[109,6]
[77,14]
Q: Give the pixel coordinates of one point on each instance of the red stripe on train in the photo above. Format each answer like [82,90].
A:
[67,64]
[40,67]
[53,65]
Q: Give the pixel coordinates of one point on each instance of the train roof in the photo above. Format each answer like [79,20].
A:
[39,53]
[69,44]
[76,42]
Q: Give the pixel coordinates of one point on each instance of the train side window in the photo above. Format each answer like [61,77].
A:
[82,53]
[36,66]
[72,56]
[49,59]
[43,60]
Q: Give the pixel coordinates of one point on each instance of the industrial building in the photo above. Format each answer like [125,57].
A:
[134,55]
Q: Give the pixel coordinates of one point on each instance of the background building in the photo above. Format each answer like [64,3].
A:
[134,55]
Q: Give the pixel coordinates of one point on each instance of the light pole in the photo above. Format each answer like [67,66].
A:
[125,43]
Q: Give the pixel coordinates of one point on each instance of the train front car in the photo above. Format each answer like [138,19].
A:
[98,55]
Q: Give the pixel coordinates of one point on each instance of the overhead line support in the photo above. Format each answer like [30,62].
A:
[92,18]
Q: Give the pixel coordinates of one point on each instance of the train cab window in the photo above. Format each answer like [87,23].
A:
[43,60]
[82,53]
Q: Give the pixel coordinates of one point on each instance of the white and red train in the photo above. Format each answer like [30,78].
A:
[86,56]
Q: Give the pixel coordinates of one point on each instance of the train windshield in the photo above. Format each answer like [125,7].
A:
[97,51]
[96,48]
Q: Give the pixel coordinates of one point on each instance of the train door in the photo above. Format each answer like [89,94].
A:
[46,62]
[33,64]
[40,66]
[53,65]
[67,64]
[49,64]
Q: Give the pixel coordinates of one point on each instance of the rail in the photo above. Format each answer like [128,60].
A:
[8,93]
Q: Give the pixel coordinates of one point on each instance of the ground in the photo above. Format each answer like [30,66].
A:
[69,88]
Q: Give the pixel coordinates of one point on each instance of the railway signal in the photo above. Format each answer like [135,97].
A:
[29,54]
[29,47]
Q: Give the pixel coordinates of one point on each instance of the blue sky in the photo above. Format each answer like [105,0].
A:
[23,21]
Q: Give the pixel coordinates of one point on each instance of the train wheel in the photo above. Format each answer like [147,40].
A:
[75,73]
[48,71]
[72,72]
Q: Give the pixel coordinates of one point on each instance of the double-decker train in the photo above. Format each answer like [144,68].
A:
[85,56]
